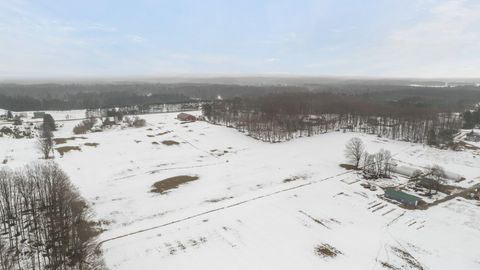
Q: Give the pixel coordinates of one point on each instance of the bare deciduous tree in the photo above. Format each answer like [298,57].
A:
[354,151]
[45,141]
[44,223]
[438,176]
[378,164]
[416,175]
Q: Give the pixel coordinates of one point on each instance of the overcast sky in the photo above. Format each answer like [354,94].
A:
[111,38]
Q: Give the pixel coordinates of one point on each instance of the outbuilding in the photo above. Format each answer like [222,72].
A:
[402,197]
[186,117]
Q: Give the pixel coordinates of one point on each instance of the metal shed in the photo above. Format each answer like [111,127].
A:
[402,197]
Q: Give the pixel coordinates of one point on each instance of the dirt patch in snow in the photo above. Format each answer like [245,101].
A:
[295,178]
[388,266]
[408,258]
[170,142]
[92,144]
[65,149]
[219,199]
[347,166]
[327,251]
[321,222]
[64,140]
[165,185]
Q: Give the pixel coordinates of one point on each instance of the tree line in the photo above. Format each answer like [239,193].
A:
[85,100]
[284,116]
[44,222]
[21,97]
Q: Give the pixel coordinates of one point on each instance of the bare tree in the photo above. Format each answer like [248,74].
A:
[387,163]
[5,261]
[45,141]
[438,176]
[416,175]
[44,222]
[354,151]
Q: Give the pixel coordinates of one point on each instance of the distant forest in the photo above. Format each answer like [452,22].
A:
[22,97]
[18,97]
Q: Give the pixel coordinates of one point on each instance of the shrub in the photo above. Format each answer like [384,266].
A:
[135,122]
[84,126]
[139,122]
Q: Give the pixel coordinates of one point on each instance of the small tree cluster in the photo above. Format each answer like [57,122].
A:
[84,126]
[377,165]
[433,177]
[44,223]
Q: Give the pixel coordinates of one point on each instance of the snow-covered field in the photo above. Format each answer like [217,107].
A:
[257,205]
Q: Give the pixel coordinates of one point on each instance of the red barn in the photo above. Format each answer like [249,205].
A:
[186,117]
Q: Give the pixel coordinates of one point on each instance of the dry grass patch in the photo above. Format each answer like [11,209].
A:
[65,149]
[219,199]
[165,185]
[408,258]
[348,166]
[154,142]
[92,144]
[64,140]
[170,142]
[163,133]
[327,251]
[388,266]
[295,178]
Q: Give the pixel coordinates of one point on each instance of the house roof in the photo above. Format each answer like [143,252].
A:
[392,192]
[185,115]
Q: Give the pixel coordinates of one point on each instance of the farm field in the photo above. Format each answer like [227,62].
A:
[232,202]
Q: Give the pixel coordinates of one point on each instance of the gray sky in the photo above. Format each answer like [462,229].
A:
[111,38]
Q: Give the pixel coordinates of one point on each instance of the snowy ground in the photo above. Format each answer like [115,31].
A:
[243,213]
